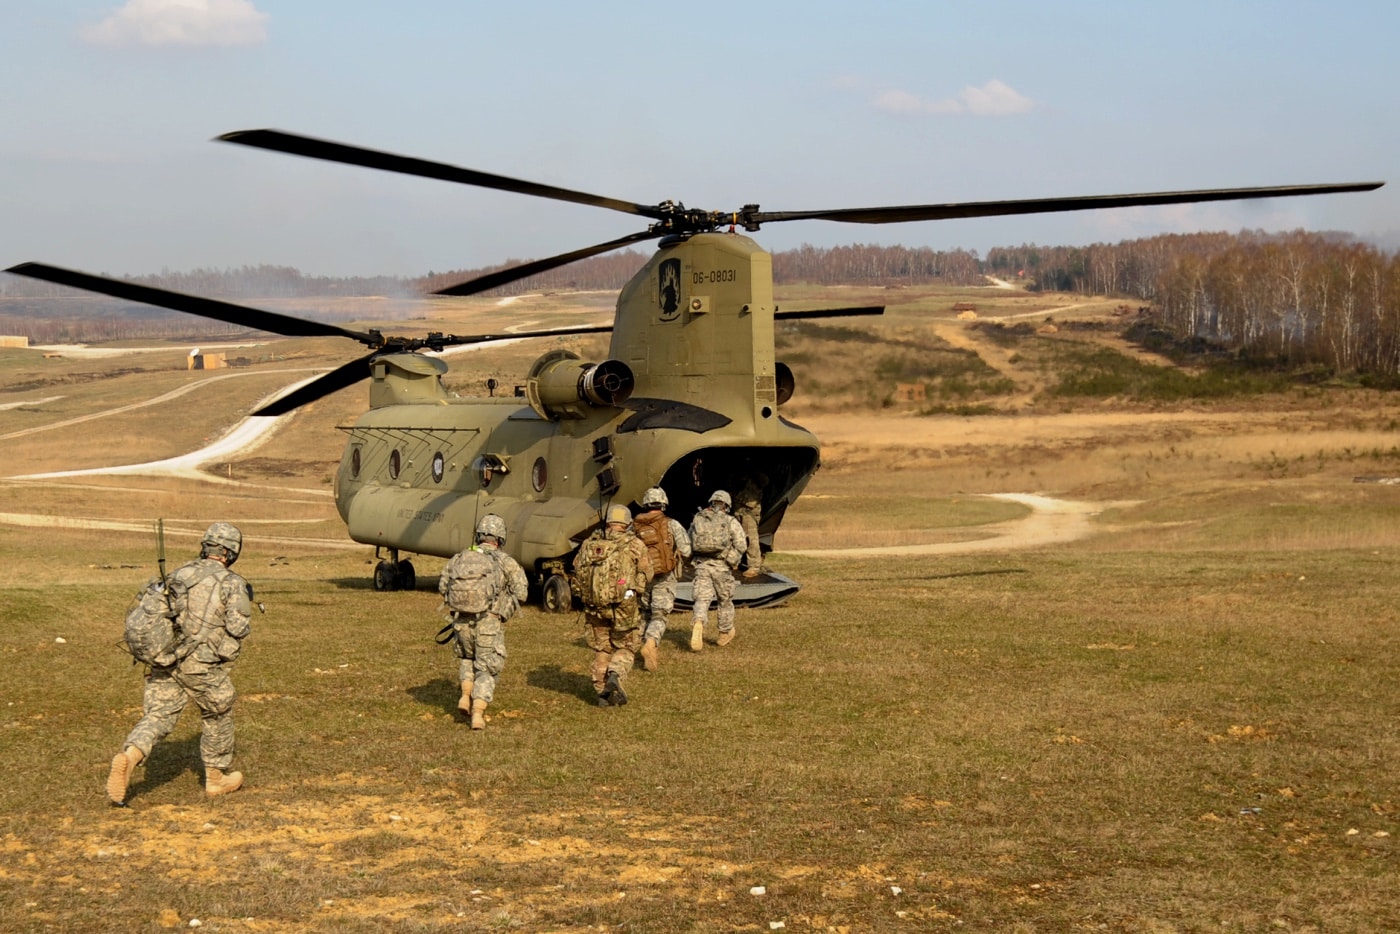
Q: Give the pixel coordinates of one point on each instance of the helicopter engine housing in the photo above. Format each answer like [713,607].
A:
[561,385]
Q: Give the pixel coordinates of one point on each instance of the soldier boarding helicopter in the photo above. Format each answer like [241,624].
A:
[688,400]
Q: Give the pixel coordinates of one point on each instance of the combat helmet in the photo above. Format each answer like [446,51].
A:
[224,535]
[721,496]
[619,514]
[655,498]
[491,526]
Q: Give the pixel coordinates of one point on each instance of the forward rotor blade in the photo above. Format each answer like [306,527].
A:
[525,270]
[280,141]
[204,307]
[829,313]
[455,340]
[347,374]
[934,212]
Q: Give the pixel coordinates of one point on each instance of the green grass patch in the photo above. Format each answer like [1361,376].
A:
[1146,740]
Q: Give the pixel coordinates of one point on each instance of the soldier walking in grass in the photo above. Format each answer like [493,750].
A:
[482,588]
[212,611]
[610,574]
[668,546]
[717,542]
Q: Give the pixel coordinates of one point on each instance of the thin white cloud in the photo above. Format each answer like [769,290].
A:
[993,99]
[180,23]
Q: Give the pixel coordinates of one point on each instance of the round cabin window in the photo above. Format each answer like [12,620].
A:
[394,464]
[539,474]
[437,467]
[355,463]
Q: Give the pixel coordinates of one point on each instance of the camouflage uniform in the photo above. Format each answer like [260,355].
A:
[480,638]
[714,579]
[615,633]
[660,597]
[217,620]
[748,509]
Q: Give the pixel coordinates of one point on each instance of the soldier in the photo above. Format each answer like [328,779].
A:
[213,616]
[611,572]
[482,587]
[717,542]
[748,511]
[668,545]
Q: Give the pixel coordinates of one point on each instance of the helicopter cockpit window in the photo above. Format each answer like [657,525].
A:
[395,464]
[438,463]
[539,475]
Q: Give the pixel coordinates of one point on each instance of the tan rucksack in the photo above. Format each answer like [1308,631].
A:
[654,529]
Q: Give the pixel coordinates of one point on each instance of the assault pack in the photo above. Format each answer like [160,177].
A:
[604,571]
[654,529]
[709,533]
[152,633]
[474,580]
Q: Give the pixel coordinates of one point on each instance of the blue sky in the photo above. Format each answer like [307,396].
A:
[109,108]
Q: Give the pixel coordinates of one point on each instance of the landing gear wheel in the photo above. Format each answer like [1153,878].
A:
[407,580]
[555,596]
[386,576]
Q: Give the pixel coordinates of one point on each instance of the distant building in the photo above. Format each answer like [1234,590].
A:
[18,340]
[199,360]
[910,392]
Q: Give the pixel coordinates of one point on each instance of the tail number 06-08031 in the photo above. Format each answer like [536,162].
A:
[713,276]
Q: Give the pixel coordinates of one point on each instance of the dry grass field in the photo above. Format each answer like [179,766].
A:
[1179,713]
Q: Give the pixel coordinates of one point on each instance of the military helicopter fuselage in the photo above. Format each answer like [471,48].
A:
[688,400]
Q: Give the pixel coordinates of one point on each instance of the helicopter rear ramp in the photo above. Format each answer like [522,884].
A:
[768,589]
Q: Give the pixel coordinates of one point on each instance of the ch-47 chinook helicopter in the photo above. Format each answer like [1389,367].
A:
[689,399]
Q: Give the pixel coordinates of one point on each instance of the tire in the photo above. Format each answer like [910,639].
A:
[386,576]
[555,595]
[407,579]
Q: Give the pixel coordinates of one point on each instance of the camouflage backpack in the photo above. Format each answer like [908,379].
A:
[474,580]
[709,533]
[654,529]
[151,633]
[604,570]
[158,617]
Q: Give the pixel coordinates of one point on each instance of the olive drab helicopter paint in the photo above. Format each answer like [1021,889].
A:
[688,400]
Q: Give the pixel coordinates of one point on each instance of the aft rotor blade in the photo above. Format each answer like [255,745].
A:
[830,313]
[347,374]
[296,145]
[525,270]
[934,212]
[204,307]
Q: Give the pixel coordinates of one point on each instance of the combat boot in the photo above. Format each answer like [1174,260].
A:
[123,764]
[612,690]
[697,636]
[478,714]
[464,703]
[726,637]
[218,782]
[649,659]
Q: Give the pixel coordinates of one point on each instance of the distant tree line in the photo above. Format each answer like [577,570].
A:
[1297,298]
[1300,298]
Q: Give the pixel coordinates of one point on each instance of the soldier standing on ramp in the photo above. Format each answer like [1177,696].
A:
[482,588]
[212,609]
